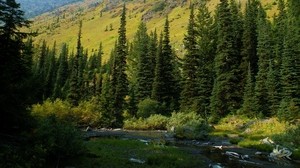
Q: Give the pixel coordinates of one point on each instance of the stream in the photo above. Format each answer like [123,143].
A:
[216,152]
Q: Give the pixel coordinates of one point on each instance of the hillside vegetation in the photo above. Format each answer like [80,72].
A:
[101,21]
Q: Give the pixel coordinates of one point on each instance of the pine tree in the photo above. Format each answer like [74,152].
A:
[13,72]
[75,85]
[206,41]
[225,97]
[249,39]
[264,53]
[290,69]
[273,94]
[119,82]
[144,84]
[248,98]
[165,86]
[62,74]
[190,67]
[51,72]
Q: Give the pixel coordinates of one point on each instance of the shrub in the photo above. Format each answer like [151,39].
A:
[291,138]
[188,126]
[58,138]
[86,113]
[148,107]
[154,122]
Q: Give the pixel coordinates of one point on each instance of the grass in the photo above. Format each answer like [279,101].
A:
[93,30]
[248,133]
[109,152]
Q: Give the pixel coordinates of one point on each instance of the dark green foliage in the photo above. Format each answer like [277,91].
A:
[249,39]
[188,126]
[206,42]
[148,107]
[248,99]
[119,81]
[145,66]
[13,68]
[273,94]
[264,52]
[76,76]
[62,74]
[190,67]
[225,96]
[165,85]
[290,69]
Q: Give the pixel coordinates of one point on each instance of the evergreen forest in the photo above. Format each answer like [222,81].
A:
[237,61]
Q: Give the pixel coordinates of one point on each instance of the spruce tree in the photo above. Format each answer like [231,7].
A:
[119,82]
[75,85]
[290,69]
[206,42]
[249,39]
[190,67]
[62,74]
[13,72]
[248,97]
[264,53]
[144,71]
[51,72]
[225,96]
[165,86]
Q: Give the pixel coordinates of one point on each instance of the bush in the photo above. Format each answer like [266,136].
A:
[148,107]
[154,122]
[57,138]
[86,113]
[159,7]
[290,138]
[188,126]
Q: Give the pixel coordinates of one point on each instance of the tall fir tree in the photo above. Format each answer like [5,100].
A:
[62,74]
[225,96]
[264,53]
[13,114]
[144,71]
[290,69]
[51,72]
[206,42]
[249,39]
[75,87]
[165,86]
[248,97]
[190,67]
[119,81]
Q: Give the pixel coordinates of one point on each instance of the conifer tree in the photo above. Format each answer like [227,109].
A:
[249,39]
[225,97]
[273,95]
[248,97]
[206,41]
[119,82]
[290,69]
[74,93]
[264,53]
[51,72]
[145,71]
[165,86]
[62,74]
[13,114]
[190,67]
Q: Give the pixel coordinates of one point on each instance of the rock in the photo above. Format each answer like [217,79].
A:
[232,154]
[278,153]
[218,147]
[137,160]
[218,165]
[88,128]
[267,141]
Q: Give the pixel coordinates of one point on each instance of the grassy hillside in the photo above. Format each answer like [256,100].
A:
[61,25]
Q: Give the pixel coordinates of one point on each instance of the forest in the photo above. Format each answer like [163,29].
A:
[237,62]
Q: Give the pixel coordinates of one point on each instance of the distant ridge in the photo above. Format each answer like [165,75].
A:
[34,8]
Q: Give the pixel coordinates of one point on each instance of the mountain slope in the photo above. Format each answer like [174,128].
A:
[101,22]
[34,8]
